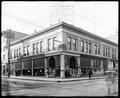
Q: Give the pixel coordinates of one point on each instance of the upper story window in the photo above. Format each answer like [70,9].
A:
[34,48]
[98,49]
[49,44]
[103,51]
[3,48]
[54,43]
[28,48]
[41,46]
[90,50]
[95,49]
[69,39]
[74,44]
[3,56]
[108,52]
[14,54]
[37,44]
[24,50]
[86,47]
[113,53]
[10,54]
[82,46]
[19,51]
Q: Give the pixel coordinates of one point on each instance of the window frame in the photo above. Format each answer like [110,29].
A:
[75,44]
[69,42]
[54,43]
[33,48]
[82,46]
[41,46]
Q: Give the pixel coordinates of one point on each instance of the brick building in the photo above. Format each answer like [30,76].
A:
[62,50]
[4,49]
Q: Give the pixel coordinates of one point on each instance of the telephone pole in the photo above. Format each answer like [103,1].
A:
[8,37]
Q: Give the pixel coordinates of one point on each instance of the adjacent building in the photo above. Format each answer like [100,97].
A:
[62,50]
[4,50]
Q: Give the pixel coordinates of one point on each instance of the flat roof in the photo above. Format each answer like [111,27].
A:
[67,25]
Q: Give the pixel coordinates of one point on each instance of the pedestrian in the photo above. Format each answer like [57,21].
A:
[90,73]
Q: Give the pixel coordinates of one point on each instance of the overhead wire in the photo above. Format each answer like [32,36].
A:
[93,21]
[21,19]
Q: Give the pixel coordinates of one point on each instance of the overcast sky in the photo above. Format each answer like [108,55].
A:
[100,18]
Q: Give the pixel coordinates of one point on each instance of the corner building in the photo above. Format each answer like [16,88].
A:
[63,51]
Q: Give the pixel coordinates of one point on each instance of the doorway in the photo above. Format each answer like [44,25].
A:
[73,67]
[51,70]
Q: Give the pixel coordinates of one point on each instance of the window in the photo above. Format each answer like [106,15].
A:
[54,43]
[69,43]
[99,49]
[82,46]
[28,49]
[3,56]
[24,50]
[86,47]
[95,49]
[41,46]
[90,48]
[19,51]
[10,54]
[14,54]
[108,52]
[74,44]
[103,51]
[34,48]
[3,48]
[37,47]
[113,54]
[49,44]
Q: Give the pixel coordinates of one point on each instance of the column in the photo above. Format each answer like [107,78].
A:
[46,70]
[79,69]
[32,67]
[92,66]
[22,68]
[102,71]
[62,66]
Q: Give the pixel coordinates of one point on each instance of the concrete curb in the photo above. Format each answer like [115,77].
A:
[54,80]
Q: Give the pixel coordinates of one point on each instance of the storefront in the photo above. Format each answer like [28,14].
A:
[38,67]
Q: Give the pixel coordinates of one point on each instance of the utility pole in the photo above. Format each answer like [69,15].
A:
[8,37]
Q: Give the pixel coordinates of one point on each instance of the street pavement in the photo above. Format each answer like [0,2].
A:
[15,87]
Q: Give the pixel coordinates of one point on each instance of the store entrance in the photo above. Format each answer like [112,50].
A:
[51,69]
[73,67]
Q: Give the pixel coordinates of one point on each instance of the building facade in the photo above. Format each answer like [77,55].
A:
[4,50]
[63,51]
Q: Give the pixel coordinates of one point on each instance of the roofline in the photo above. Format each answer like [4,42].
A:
[39,32]
[91,34]
[64,24]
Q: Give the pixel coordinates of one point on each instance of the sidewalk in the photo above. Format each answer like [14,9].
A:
[52,79]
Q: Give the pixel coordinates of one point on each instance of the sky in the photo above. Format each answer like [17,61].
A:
[100,18]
